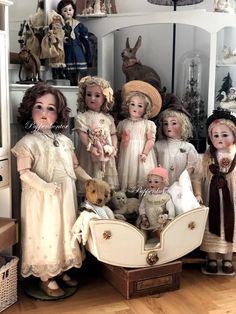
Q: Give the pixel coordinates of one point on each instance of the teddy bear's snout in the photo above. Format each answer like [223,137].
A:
[99,200]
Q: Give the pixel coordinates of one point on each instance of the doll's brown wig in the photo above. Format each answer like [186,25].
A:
[28,101]
[64,3]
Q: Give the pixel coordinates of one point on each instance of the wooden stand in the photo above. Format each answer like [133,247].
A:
[136,282]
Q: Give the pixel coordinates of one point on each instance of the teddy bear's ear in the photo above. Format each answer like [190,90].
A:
[88,182]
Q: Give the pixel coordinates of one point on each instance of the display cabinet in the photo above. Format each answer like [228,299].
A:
[5,182]
[215,25]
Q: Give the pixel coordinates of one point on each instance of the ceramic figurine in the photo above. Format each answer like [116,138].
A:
[137,134]
[76,44]
[96,128]
[173,150]
[156,206]
[48,168]
[219,179]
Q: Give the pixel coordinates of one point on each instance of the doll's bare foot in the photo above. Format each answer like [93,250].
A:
[67,280]
[51,288]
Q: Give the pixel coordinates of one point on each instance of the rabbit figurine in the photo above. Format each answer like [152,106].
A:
[134,69]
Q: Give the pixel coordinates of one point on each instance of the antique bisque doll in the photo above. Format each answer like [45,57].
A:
[156,206]
[173,150]
[219,180]
[48,169]
[137,134]
[96,128]
[76,44]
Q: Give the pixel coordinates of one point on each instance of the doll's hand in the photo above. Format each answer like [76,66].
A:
[144,221]
[143,157]
[94,151]
[199,199]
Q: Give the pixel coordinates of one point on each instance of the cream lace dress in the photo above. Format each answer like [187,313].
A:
[86,122]
[47,220]
[176,156]
[211,242]
[133,134]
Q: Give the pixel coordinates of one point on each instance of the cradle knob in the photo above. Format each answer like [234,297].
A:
[152,258]
[192,225]
[107,234]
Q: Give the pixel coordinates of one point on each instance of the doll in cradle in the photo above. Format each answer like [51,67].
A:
[219,180]
[136,134]
[156,207]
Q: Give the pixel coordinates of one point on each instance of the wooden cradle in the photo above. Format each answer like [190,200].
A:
[119,243]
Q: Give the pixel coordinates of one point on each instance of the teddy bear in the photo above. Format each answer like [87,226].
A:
[97,195]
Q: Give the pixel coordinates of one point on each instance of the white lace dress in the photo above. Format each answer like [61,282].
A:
[176,156]
[47,220]
[86,122]
[133,172]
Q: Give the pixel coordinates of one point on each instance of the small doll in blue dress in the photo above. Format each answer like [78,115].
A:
[76,43]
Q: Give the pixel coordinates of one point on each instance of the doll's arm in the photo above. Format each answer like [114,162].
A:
[34,181]
[87,143]
[81,174]
[114,141]
[148,146]
[197,189]
[142,213]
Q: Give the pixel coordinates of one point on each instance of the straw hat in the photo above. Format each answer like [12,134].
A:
[148,90]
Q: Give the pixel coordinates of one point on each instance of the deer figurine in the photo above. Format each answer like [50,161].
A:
[134,69]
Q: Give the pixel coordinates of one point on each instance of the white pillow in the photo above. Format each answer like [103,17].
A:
[182,194]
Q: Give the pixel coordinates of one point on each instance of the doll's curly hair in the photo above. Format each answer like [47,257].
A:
[64,3]
[146,99]
[186,126]
[106,90]
[28,101]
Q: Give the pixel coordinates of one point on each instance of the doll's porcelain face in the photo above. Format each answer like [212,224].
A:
[136,107]
[222,137]
[172,128]
[94,98]
[67,12]
[44,112]
[155,183]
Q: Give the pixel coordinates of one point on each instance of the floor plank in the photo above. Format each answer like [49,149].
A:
[198,293]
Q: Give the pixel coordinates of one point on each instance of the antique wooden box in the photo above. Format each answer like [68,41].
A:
[8,232]
[136,282]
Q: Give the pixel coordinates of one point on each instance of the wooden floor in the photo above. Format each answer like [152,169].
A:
[198,294]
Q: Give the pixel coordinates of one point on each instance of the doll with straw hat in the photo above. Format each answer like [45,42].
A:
[136,133]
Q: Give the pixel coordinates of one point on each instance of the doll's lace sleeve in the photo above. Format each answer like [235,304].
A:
[193,159]
[81,123]
[151,130]
[23,155]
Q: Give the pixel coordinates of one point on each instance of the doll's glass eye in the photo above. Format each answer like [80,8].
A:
[225,135]
[37,106]
[93,191]
[215,135]
[51,108]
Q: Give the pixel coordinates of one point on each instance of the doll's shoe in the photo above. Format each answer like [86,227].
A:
[227,267]
[211,266]
[69,282]
[58,292]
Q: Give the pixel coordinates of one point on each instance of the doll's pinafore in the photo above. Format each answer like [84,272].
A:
[176,155]
[133,134]
[47,220]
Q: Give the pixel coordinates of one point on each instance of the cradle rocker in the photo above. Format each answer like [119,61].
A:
[119,243]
